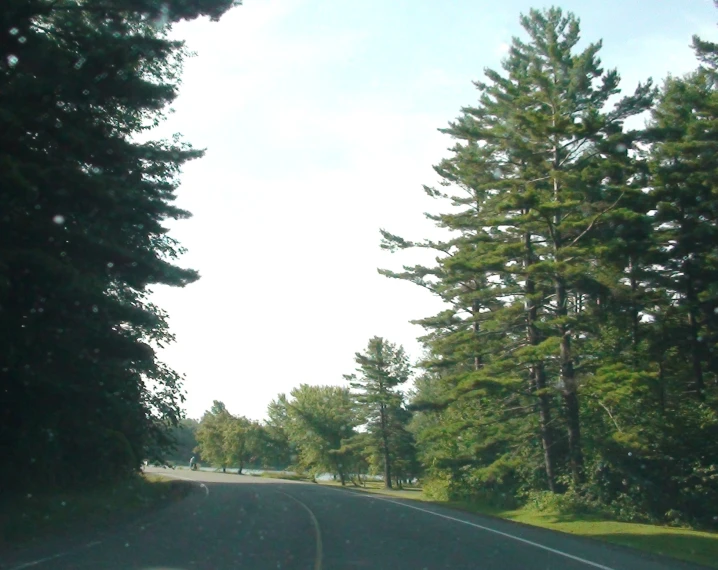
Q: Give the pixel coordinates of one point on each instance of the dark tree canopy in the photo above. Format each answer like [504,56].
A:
[83,207]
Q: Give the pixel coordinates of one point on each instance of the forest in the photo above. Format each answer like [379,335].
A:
[575,361]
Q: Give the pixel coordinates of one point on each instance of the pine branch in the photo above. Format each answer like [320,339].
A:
[595,219]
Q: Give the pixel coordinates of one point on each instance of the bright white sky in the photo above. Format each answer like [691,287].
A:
[320,122]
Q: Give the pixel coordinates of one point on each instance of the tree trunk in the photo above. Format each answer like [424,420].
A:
[662,387]
[698,382]
[567,376]
[569,387]
[385,447]
[476,306]
[635,319]
[545,425]
[538,372]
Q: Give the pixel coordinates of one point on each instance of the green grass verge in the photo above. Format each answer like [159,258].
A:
[34,516]
[286,476]
[684,544]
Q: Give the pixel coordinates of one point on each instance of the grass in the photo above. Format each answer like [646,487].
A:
[34,516]
[287,476]
[683,544]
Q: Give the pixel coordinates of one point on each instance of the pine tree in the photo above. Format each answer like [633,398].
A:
[383,368]
[683,165]
[545,166]
[83,207]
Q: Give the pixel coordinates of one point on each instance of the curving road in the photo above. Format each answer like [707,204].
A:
[249,523]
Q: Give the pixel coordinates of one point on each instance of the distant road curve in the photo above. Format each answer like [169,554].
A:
[250,523]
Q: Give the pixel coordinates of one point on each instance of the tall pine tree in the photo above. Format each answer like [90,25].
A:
[545,165]
[83,207]
[382,369]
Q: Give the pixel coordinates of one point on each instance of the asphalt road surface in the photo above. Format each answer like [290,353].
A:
[249,523]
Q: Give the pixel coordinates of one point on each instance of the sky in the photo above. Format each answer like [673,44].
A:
[320,122]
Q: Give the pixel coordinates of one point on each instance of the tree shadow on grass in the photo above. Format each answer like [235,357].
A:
[569,517]
[700,549]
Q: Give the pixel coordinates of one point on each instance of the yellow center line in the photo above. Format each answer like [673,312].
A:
[317,531]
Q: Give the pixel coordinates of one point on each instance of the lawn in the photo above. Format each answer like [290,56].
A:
[684,544]
[33,516]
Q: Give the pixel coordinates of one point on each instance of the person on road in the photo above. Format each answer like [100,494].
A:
[192,463]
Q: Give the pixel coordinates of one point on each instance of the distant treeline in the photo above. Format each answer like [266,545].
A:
[325,429]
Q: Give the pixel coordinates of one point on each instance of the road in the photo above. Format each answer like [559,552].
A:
[250,523]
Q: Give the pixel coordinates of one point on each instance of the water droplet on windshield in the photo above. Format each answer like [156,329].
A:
[14,31]
[110,265]
[22,39]
[59,219]
[95,309]
[12,60]
[80,62]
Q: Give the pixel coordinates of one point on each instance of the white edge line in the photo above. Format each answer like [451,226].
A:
[487,529]
[54,556]
[40,561]
[319,548]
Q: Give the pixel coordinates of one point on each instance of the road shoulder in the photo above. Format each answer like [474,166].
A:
[689,548]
